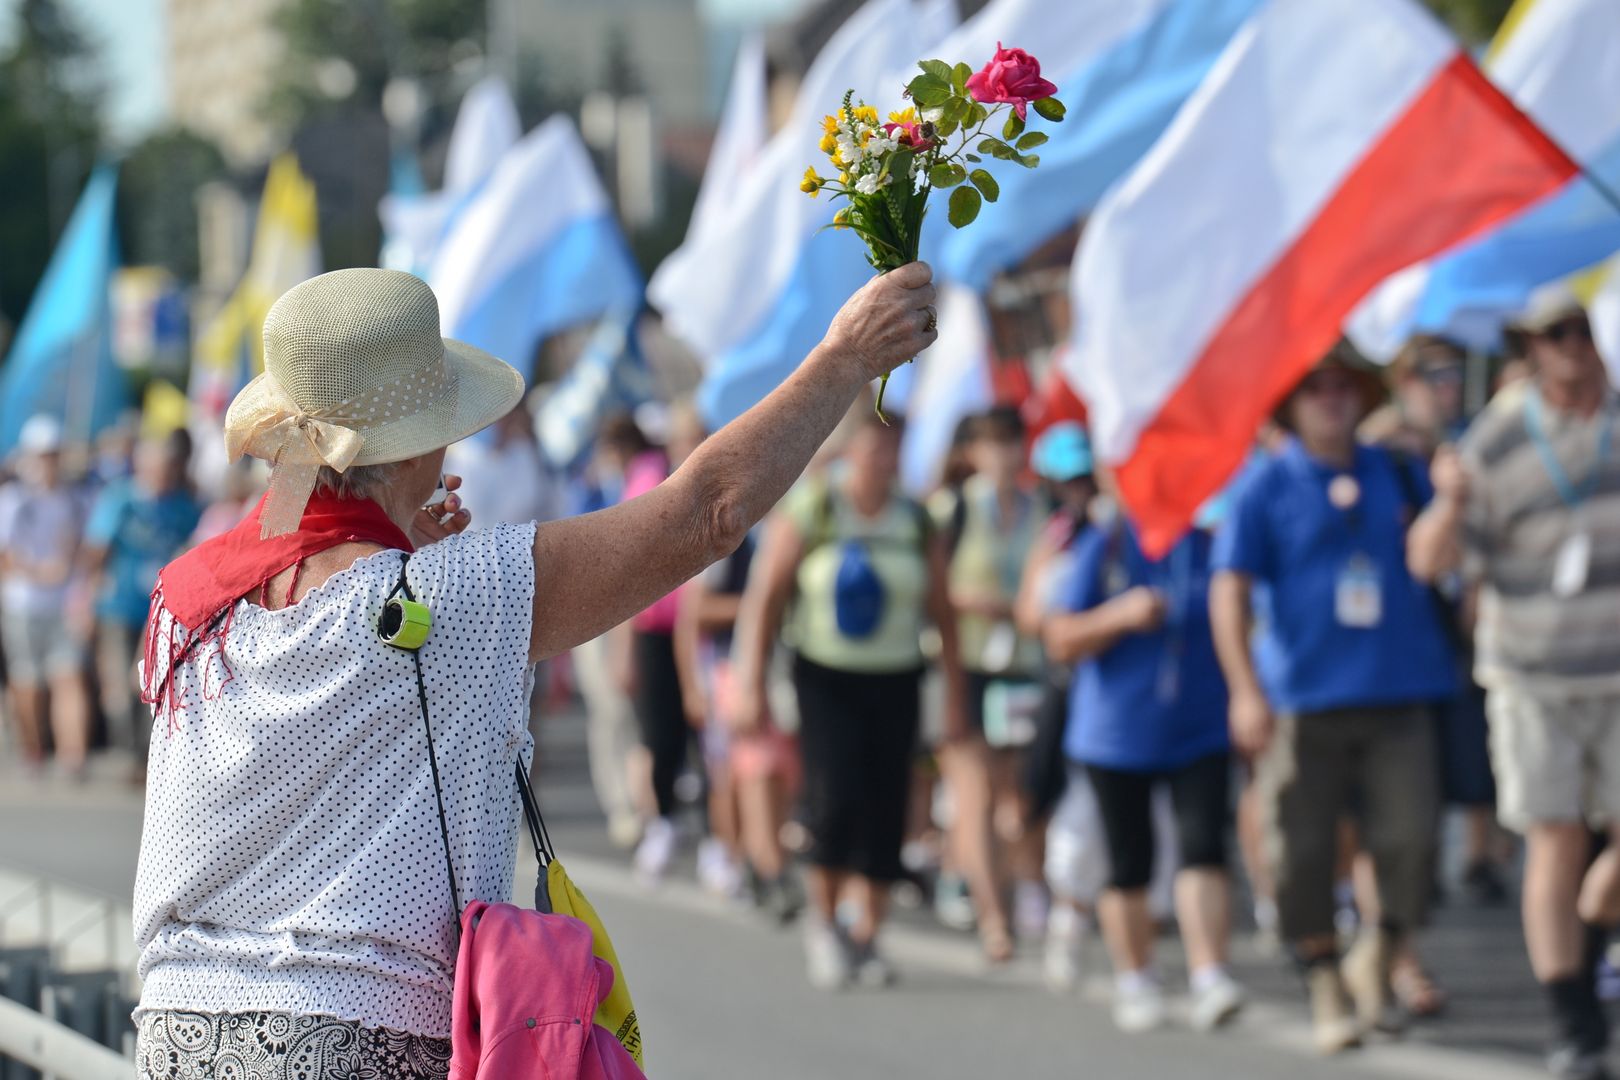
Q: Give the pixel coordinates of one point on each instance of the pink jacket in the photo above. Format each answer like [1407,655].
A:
[527,987]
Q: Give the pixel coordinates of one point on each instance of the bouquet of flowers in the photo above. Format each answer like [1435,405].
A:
[888,171]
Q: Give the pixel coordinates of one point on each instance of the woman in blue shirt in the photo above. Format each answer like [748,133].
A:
[1149,707]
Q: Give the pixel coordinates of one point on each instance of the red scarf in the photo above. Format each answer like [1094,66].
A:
[200,588]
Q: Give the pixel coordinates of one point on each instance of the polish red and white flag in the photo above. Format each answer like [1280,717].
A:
[1333,143]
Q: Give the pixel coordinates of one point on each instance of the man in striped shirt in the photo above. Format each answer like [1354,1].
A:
[1528,506]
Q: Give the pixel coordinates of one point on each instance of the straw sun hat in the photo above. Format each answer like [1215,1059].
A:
[355,373]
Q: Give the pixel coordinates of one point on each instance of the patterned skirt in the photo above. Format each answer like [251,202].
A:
[174,1045]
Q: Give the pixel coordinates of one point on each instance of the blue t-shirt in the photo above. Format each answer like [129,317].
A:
[141,533]
[1153,701]
[1321,641]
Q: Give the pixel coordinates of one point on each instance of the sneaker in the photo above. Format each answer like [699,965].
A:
[826,957]
[655,851]
[1483,884]
[1216,999]
[952,904]
[1366,970]
[1267,938]
[872,970]
[1030,908]
[717,871]
[1333,1018]
[782,899]
[1572,1061]
[1063,959]
[624,831]
[1139,1004]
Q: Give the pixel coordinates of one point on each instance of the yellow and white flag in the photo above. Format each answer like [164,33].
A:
[286,250]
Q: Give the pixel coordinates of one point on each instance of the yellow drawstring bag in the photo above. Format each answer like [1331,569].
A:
[556,894]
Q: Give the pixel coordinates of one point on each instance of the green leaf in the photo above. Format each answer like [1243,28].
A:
[986,184]
[944,129]
[1013,128]
[996,148]
[960,74]
[975,158]
[1028,161]
[957,109]
[1031,141]
[898,166]
[979,114]
[946,175]
[929,92]
[939,69]
[965,203]
[1050,108]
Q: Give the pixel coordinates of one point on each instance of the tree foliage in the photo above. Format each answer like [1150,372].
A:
[157,200]
[49,132]
[1475,21]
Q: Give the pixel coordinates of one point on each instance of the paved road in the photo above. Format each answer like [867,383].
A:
[722,995]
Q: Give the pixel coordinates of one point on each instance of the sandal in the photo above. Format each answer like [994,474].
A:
[1417,991]
[999,946]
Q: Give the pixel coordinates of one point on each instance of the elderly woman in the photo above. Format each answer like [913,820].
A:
[292,905]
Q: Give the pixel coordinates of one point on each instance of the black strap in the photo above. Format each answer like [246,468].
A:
[544,853]
[433,758]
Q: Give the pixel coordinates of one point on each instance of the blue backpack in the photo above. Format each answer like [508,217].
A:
[859,595]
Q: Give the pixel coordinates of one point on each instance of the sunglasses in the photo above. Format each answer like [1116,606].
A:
[1579,330]
[1442,374]
[1327,382]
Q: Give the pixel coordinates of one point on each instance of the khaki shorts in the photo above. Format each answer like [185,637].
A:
[1555,758]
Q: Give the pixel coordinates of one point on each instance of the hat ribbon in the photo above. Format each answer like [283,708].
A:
[297,442]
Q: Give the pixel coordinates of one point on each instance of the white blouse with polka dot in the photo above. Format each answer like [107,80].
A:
[291,859]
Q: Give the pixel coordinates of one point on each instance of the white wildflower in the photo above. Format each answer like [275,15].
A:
[878,145]
[870,183]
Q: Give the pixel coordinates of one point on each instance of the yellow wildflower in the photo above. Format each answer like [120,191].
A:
[841,219]
[811,184]
[829,124]
[844,178]
[904,116]
[829,144]
[867,114]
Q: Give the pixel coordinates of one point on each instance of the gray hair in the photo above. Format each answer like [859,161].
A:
[357,481]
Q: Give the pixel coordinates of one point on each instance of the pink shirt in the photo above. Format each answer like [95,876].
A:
[646,472]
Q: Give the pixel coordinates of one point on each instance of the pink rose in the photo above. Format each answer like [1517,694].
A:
[1012,76]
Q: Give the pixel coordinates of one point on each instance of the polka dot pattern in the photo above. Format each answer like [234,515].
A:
[291,858]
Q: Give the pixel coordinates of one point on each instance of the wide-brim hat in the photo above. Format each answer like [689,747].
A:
[356,373]
[1369,383]
[1547,306]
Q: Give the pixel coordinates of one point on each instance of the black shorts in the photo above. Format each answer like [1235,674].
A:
[857,732]
[1201,794]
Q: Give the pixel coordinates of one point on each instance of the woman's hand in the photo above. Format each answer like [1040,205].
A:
[436,521]
[888,322]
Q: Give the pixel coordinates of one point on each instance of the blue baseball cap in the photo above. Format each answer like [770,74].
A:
[1063,452]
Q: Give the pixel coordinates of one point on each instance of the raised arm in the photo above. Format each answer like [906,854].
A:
[1434,542]
[595,571]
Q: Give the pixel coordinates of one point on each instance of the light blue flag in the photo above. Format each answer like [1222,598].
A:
[61,362]
[610,375]
[536,251]
[1122,71]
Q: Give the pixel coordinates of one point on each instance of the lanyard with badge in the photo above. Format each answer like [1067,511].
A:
[1358,593]
[1574,558]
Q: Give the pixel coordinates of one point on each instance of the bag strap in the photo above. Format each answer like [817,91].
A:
[544,853]
[404,588]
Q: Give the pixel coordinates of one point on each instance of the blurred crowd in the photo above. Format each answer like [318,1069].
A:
[999,703]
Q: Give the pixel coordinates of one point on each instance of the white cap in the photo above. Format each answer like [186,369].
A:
[41,434]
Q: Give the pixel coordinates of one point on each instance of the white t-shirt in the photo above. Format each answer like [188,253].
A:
[38,525]
[291,859]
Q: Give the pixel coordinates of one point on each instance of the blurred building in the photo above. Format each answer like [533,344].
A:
[661,47]
[221,56]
